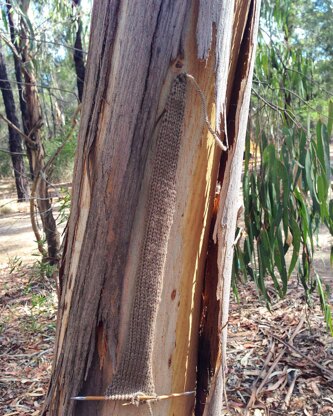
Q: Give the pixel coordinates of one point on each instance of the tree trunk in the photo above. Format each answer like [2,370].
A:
[134,98]
[78,55]
[15,143]
[243,45]
[18,76]
[39,190]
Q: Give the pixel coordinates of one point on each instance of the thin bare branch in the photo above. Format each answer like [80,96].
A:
[275,107]
[24,136]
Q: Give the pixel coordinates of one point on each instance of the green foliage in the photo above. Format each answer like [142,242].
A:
[279,217]
[64,207]
[5,164]
[50,28]
[40,305]
[62,167]
[324,305]
[14,264]
[42,268]
[286,184]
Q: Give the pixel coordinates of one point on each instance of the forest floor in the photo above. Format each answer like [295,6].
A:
[28,303]
[279,362]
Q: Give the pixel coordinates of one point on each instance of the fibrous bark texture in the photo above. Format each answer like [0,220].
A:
[243,42]
[123,90]
[135,54]
[14,138]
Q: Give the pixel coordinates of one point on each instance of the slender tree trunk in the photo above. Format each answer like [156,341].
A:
[39,191]
[40,188]
[78,55]
[15,143]
[134,98]
[18,76]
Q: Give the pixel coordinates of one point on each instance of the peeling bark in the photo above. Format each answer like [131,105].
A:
[211,357]
[135,52]
[244,40]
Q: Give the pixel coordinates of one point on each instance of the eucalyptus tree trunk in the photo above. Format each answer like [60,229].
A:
[137,93]
[18,77]
[34,122]
[15,142]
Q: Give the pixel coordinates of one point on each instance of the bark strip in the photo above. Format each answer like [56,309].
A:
[225,225]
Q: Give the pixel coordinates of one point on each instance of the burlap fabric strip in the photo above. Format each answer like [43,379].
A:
[134,376]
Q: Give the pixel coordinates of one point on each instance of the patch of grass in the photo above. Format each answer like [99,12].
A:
[42,269]
[62,169]
[14,264]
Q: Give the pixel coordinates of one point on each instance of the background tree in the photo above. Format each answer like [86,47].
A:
[39,191]
[35,62]
[15,142]
[51,35]
[14,36]
[125,95]
[312,24]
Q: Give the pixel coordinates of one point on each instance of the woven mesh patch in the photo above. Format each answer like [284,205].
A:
[134,375]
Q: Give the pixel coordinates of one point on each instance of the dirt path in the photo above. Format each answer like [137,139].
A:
[16,237]
[17,240]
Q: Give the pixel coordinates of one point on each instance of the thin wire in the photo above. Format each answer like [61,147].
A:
[39,86]
[12,153]
[54,43]
[204,111]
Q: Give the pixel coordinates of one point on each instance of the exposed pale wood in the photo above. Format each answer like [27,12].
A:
[210,331]
[135,52]
[227,214]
